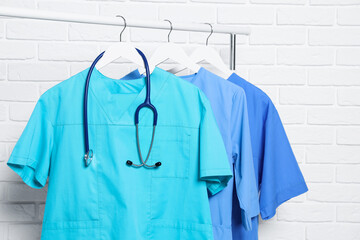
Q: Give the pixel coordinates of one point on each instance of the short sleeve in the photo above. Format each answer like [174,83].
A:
[30,158]
[245,181]
[281,175]
[214,163]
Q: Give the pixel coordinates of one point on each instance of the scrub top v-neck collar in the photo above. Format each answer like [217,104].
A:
[117,104]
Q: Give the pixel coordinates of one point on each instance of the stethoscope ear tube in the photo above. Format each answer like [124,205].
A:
[88,157]
[88,152]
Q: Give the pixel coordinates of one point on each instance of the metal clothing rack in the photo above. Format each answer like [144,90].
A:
[114,21]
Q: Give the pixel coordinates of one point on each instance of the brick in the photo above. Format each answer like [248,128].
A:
[3,152]
[275,230]
[18,3]
[37,71]
[302,56]
[318,173]
[348,56]
[16,212]
[21,111]
[334,193]
[332,231]
[292,115]
[308,212]
[348,135]
[2,71]
[219,1]
[310,135]
[2,31]
[167,1]
[254,55]
[334,2]
[67,52]
[334,116]
[7,174]
[18,92]
[334,76]
[2,196]
[69,7]
[348,96]
[246,15]
[40,30]
[156,35]
[93,32]
[348,213]
[24,231]
[277,36]
[287,2]
[305,16]
[41,210]
[3,112]
[310,96]
[334,37]
[277,76]
[20,192]
[333,154]
[131,11]
[17,50]
[349,16]
[183,13]
[3,231]
[10,132]
[348,174]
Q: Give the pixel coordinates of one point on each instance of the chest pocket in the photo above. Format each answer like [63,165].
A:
[172,149]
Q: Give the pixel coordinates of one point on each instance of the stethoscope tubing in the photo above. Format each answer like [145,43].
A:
[146,104]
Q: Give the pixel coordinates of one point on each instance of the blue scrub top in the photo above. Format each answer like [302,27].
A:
[108,199]
[228,102]
[277,172]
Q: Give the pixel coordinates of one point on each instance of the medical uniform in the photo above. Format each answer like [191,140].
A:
[228,102]
[277,172]
[109,199]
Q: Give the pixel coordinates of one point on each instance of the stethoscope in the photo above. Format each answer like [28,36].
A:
[146,104]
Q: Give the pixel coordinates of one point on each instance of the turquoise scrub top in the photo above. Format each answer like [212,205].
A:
[108,199]
[229,104]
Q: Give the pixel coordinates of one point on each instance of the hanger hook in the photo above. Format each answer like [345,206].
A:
[211,32]
[124,25]
[171,28]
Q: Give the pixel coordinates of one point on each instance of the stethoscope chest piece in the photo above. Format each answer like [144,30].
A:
[88,157]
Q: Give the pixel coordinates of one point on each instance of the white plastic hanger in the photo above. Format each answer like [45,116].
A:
[211,56]
[120,50]
[173,52]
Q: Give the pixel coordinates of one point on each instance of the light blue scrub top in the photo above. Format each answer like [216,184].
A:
[277,172]
[228,102]
[108,199]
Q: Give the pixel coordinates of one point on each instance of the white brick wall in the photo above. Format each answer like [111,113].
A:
[304,53]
